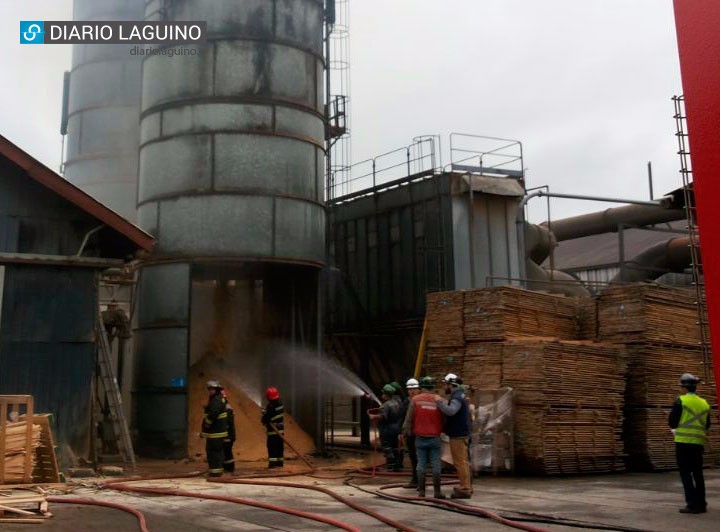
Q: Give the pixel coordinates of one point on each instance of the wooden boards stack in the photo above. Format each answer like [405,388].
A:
[507,312]
[15,450]
[653,374]
[659,326]
[23,507]
[445,319]
[569,398]
[648,313]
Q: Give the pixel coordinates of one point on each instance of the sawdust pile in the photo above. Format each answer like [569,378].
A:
[251,437]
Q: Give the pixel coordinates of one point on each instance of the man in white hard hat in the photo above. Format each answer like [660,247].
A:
[413,388]
[457,427]
[689,421]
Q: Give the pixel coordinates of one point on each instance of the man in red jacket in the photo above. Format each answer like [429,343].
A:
[425,421]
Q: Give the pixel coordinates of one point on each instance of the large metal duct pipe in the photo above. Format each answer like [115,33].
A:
[673,255]
[607,221]
[231,184]
[103,125]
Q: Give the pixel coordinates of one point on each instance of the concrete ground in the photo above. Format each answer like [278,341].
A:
[637,501]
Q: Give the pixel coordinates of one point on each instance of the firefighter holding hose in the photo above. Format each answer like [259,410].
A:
[273,419]
[215,428]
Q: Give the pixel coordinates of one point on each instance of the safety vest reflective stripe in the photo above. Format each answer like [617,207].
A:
[222,416]
[212,435]
[279,416]
[276,459]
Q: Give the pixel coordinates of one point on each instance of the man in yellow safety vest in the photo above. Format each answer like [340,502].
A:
[689,421]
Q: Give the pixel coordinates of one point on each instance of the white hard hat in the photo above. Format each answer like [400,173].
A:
[412,384]
[213,384]
[451,378]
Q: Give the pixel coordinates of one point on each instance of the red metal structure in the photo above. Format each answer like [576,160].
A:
[697,23]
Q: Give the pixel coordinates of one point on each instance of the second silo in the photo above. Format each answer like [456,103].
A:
[231,185]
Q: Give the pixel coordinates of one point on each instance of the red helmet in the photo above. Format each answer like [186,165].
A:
[272,393]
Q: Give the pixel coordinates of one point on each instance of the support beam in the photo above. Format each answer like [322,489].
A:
[697,24]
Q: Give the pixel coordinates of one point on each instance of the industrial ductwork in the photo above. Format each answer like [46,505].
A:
[607,221]
[539,242]
[673,255]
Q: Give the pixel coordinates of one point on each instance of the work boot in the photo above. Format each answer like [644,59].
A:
[688,510]
[413,484]
[421,485]
[437,483]
[458,494]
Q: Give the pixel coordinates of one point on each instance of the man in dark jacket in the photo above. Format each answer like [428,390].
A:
[228,457]
[389,421]
[690,420]
[273,419]
[215,428]
[457,427]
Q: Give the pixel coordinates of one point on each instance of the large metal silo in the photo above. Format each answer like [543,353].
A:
[231,184]
[103,114]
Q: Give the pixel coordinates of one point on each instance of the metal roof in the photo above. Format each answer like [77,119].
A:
[603,250]
[55,182]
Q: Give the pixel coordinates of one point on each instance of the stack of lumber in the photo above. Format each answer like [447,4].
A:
[445,319]
[483,365]
[14,437]
[507,312]
[23,507]
[653,374]
[648,313]
[587,310]
[569,398]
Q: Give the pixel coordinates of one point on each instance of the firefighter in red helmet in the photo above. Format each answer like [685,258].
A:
[273,418]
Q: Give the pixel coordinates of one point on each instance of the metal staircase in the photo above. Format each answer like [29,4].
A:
[693,232]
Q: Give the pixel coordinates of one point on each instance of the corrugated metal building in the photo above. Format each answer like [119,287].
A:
[597,259]
[54,241]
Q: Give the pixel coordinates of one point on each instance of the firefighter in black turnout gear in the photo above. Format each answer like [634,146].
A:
[389,420]
[273,419]
[228,457]
[215,428]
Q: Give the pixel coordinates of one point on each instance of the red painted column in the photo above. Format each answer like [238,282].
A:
[698,32]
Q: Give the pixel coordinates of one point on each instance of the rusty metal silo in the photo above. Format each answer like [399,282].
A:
[231,184]
[103,114]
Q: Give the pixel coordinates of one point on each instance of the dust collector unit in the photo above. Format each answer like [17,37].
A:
[103,127]
[231,152]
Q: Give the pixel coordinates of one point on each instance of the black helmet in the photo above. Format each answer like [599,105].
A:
[688,379]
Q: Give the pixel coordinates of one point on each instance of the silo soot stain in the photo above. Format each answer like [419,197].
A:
[261,67]
[290,26]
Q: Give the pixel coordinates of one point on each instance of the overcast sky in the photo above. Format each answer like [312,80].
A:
[585,85]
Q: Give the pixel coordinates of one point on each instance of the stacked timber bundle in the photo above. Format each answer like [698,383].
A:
[483,365]
[15,440]
[569,398]
[648,313]
[653,373]
[507,312]
[445,334]
[587,310]
[445,319]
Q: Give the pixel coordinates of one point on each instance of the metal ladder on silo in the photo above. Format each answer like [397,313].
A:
[113,408]
[691,214]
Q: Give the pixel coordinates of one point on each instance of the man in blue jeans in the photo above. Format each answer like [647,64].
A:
[425,422]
